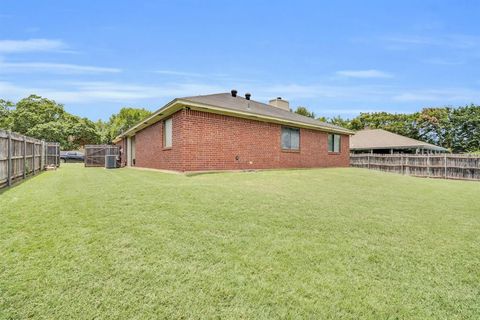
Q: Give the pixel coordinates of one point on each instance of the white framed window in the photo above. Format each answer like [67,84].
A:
[290,138]
[334,143]
[167,133]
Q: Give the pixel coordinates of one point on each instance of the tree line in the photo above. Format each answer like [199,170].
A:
[45,119]
[457,129]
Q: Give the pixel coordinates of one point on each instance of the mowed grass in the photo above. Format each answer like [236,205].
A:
[85,243]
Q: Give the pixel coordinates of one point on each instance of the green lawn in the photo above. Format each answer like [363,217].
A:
[321,244]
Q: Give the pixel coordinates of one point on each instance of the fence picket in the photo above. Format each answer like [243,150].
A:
[451,166]
[9,155]
[24,157]
[16,162]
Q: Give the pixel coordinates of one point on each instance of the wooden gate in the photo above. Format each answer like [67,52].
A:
[95,154]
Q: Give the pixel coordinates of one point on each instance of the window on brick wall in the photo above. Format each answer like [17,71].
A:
[333,143]
[290,138]
[167,133]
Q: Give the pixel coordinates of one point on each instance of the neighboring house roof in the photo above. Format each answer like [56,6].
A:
[225,103]
[382,139]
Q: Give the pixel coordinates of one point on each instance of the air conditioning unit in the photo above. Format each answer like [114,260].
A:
[110,161]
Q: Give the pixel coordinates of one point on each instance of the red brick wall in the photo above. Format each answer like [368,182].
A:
[150,152]
[206,141]
[214,141]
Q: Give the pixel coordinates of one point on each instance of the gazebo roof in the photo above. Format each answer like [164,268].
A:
[382,139]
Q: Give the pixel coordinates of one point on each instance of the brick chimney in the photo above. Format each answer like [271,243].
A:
[280,103]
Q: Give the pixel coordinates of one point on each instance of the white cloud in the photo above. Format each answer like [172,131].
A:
[323,92]
[290,91]
[416,40]
[97,92]
[444,62]
[364,74]
[30,45]
[353,98]
[10,91]
[178,73]
[209,76]
[458,41]
[442,96]
[63,68]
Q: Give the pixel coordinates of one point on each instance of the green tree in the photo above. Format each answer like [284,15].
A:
[81,131]
[45,119]
[322,119]
[465,129]
[35,110]
[339,121]
[403,124]
[6,119]
[126,118]
[54,131]
[457,129]
[434,126]
[102,129]
[70,131]
[305,112]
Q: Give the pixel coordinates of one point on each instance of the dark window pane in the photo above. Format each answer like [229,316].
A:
[285,138]
[290,138]
[330,143]
[336,143]
[294,139]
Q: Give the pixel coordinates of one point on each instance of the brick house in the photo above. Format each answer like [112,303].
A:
[228,132]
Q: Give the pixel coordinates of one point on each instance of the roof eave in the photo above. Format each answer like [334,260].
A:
[148,121]
[179,103]
[259,117]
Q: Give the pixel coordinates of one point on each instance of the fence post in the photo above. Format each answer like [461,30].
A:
[9,159]
[445,164]
[428,165]
[42,155]
[368,161]
[33,157]
[401,163]
[24,157]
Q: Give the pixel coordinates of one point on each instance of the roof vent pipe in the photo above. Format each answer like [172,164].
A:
[234,93]
[247,96]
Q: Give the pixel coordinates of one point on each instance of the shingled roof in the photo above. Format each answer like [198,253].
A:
[225,103]
[382,139]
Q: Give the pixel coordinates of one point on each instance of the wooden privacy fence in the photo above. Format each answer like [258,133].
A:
[95,154]
[446,166]
[21,156]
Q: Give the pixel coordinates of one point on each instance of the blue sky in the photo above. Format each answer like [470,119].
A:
[334,57]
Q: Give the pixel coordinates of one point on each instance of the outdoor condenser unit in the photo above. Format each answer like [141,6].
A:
[110,161]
